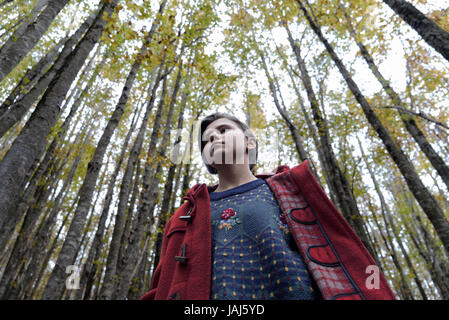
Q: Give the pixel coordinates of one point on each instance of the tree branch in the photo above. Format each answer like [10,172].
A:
[417,114]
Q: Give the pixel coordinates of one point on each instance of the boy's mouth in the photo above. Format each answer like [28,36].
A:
[216,143]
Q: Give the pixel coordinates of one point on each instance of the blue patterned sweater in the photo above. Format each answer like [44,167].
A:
[254,256]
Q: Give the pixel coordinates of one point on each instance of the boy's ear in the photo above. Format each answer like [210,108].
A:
[251,143]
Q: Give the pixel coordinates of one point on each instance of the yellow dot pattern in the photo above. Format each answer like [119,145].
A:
[254,256]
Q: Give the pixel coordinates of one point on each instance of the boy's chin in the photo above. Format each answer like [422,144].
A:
[227,165]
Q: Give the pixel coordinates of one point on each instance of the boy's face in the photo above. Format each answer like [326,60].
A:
[226,143]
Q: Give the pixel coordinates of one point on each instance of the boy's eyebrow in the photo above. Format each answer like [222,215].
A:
[221,125]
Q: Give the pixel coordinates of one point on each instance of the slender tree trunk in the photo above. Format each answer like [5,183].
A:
[128,225]
[24,22]
[316,141]
[148,197]
[187,174]
[31,77]
[42,238]
[433,34]
[47,168]
[298,140]
[339,183]
[67,254]
[404,285]
[409,122]
[91,266]
[48,110]
[293,130]
[135,287]
[168,188]
[16,48]
[112,260]
[389,221]
[434,257]
[421,193]
[30,144]
[180,170]
[36,291]
[436,278]
[19,108]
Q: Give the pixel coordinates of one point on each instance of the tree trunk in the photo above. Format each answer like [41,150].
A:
[316,141]
[67,254]
[112,260]
[437,279]
[31,142]
[387,215]
[23,23]
[16,48]
[18,109]
[421,193]
[48,109]
[168,188]
[409,122]
[432,253]
[31,77]
[148,197]
[433,34]
[299,143]
[187,174]
[42,238]
[91,266]
[339,183]
[47,168]
[36,291]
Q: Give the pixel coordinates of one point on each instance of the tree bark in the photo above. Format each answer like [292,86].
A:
[16,48]
[421,193]
[436,262]
[433,34]
[32,138]
[42,238]
[168,188]
[46,168]
[116,242]
[31,142]
[339,183]
[55,284]
[387,216]
[187,174]
[31,77]
[298,140]
[316,141]
[92,266]
[148,197]
[409,122]
[18,109]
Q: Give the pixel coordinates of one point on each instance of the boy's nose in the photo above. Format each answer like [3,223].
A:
[214,135]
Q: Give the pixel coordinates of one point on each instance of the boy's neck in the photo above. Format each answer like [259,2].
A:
[231,176]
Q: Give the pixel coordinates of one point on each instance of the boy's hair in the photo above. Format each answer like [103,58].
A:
[252,153]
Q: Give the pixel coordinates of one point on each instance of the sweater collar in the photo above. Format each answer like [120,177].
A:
[239,189]
[198,188]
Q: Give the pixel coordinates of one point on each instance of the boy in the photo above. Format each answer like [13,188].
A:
[269,236]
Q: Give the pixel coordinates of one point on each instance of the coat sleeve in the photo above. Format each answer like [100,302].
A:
[150,295]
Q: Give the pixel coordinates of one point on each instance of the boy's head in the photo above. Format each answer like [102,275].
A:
[224,133]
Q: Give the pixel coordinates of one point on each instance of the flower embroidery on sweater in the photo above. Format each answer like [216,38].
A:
[228,219]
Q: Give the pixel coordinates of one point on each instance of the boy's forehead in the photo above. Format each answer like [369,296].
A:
[219,122]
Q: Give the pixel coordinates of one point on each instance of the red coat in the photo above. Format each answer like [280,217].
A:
[336,258]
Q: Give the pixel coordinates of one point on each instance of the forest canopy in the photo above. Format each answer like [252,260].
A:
[99,108]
